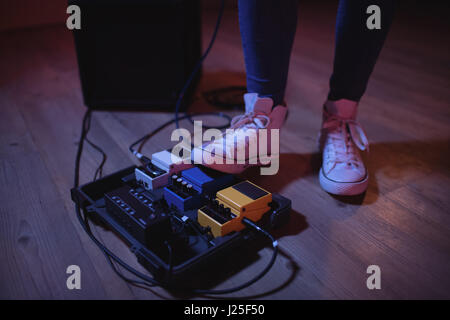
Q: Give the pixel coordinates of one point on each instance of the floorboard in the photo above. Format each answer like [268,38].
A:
[402,223]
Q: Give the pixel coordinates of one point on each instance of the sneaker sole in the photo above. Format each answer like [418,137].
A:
[235,168]
[343,188]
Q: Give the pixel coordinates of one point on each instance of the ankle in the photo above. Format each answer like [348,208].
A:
[342,108]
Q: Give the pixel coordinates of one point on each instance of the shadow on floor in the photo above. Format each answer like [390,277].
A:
[396,160]
[243,257]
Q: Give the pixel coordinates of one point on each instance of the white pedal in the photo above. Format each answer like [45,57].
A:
[163,167]
[170,163]
[150,182]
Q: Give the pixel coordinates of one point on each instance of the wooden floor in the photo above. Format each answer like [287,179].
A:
[402,224]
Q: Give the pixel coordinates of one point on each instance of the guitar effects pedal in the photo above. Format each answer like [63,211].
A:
[224,214]
[139,215]
[187,191]
[157,173]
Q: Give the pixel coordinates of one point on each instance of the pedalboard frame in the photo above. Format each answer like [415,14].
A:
[95,200]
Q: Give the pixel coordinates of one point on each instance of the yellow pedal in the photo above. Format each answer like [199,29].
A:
[224,214]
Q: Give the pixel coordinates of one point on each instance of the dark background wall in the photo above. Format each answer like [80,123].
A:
[17,14]
[28,13]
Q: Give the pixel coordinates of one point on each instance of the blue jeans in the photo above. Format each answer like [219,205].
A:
[268,29]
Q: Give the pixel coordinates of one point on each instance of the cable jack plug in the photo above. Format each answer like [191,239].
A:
[143,159]
[251,224]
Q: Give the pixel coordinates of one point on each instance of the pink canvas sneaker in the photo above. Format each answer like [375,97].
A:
[343,171]
[240,146]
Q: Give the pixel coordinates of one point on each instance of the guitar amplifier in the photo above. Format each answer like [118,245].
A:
[137,54]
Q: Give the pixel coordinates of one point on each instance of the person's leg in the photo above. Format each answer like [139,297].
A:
[357,48]
[267,30]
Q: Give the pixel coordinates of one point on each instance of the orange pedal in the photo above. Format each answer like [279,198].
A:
[224,214]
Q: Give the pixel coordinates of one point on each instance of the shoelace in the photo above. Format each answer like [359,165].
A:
[350,130]
[256,120]
[253,120]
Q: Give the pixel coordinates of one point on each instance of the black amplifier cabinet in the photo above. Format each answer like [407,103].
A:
[137,54]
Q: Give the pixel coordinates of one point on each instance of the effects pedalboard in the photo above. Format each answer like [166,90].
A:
[196,211]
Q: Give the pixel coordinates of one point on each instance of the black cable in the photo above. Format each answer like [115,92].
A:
[219,114]
[199,64]
[229,98]
[149,281]
[122,276]
[84,131]
[177,118]
[99,170]
[86,127]
[111,263]
[254,226]
[169,260]
[146,137]
[83,219]
[106,251]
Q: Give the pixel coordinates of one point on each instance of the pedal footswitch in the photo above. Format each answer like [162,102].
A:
[224,214]
[186,192]
[157,173]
